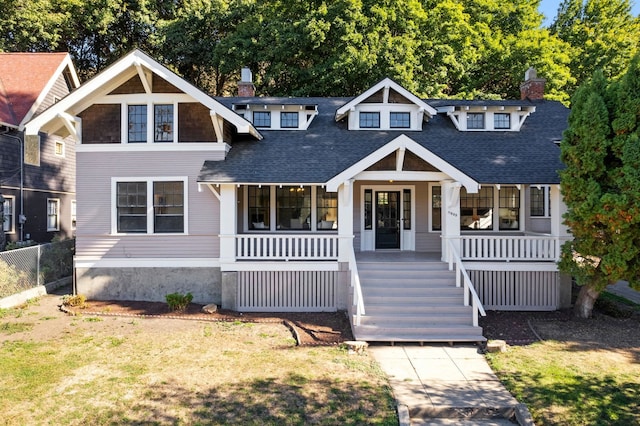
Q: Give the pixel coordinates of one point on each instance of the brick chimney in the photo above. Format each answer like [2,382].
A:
[532,88]
[245,85]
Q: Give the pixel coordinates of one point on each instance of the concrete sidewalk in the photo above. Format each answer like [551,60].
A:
[621,288]
[441,384]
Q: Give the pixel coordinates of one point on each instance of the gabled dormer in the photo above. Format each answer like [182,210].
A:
[386,106]
[278,115]
[478,117]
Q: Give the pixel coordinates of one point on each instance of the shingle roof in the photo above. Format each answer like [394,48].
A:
[23,76]
[529,156]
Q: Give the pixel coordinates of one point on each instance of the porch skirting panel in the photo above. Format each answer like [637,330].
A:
[288,291]
[517,290]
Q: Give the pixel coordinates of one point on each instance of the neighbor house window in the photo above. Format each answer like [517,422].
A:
[168,207]
[289,120]
[74,215]
[476,210]
[59,149]
[53,214]
[163,123]
[293,207]
[475,120]
[400,120]
[137,122]
[326,209]
[262,118]
[501,120]
[259,201]
[163,212]
[369,120]
[436,208]
[8,208]
[539,201]
[131,207]
[509,211]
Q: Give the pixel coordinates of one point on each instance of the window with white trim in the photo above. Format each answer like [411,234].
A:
[326,209]
[8,214]
[53,214]
[400,120]
[289,120]
[74,215]
[293,207]
[509,208]
[163,122]
[475,120]
[539,201]
[150,206]
[137,123]
[501,120]
[262,118]
[59,148]
[369,120]
[476,210]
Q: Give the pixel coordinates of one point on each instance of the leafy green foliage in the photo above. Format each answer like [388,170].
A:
[178,302]
[601,184]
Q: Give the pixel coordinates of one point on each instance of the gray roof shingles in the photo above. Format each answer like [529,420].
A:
[529,156]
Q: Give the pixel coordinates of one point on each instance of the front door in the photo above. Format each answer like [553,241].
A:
[387,219]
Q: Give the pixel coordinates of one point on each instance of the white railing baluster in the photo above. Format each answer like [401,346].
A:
[509,248]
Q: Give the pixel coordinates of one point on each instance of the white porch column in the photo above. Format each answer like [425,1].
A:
[345,217]
[450,212]
[228,223]
[558,209]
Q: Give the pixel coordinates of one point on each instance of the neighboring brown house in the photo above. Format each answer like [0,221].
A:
[37,178]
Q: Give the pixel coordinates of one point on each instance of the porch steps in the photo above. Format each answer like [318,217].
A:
[413,302]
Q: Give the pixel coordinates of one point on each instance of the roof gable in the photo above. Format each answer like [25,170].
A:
[26,79]
[385,91]
[136,67]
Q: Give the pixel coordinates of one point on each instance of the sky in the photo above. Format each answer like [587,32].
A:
[550,7]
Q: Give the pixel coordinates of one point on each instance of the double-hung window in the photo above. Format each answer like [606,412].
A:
[150,206]
[475,120]
[262,119]
[8,208]
[53,214]
[259,207]
[539,201]
[509,212]
[400,120]
[289,120]
[163,123]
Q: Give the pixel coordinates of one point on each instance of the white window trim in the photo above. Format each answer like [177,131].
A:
[430,207]
[73,215]
[547,205]
[496,212]
[12,222]
[150,101]
[57,202]
[385,110]
[149,181]
[407,236]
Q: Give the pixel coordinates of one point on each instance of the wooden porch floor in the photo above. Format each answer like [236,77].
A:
[397,256]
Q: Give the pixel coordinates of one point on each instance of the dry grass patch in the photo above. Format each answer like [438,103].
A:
[161,371]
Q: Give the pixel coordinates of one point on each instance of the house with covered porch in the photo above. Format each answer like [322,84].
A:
[415,216]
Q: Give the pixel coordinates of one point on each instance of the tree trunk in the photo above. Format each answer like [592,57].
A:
[584,303]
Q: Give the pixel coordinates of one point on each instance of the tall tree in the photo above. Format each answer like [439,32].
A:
[601,186]
[603,34]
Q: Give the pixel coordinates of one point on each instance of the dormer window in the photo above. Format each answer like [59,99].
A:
[137,124]
[400,120]
[501,120]
[262,118]
[163,123]
[475,120]
[289,120]
[369,120]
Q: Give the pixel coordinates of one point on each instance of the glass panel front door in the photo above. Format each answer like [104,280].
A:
[387,219]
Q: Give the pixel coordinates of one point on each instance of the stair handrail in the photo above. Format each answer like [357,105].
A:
[468,285]
[358,301]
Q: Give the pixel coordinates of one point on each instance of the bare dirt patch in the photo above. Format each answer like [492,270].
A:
[309,329]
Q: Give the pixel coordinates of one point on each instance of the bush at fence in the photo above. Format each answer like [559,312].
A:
[57,260]
[12,280]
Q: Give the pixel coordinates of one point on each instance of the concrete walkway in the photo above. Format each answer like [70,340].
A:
[622,289]
[441,384]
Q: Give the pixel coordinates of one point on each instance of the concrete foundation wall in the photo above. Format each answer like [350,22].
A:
[150,284]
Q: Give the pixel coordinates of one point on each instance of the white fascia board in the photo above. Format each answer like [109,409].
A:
[204,147]
[66,62]
[402,141]
[385,83]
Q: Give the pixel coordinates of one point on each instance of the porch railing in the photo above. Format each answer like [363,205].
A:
[358,300]
[509,248]
[469,290]
[286,247]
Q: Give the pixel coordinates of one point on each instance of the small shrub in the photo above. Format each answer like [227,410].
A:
[178,302]
[77,301]
[12,280]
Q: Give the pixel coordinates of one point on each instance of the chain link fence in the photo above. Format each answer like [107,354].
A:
[29,267]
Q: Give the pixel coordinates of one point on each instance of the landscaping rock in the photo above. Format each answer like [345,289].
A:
[356,347]
[210,309]
[496,346]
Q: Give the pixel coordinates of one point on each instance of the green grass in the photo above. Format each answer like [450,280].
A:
[15,327]
[562,385]
[116,372]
